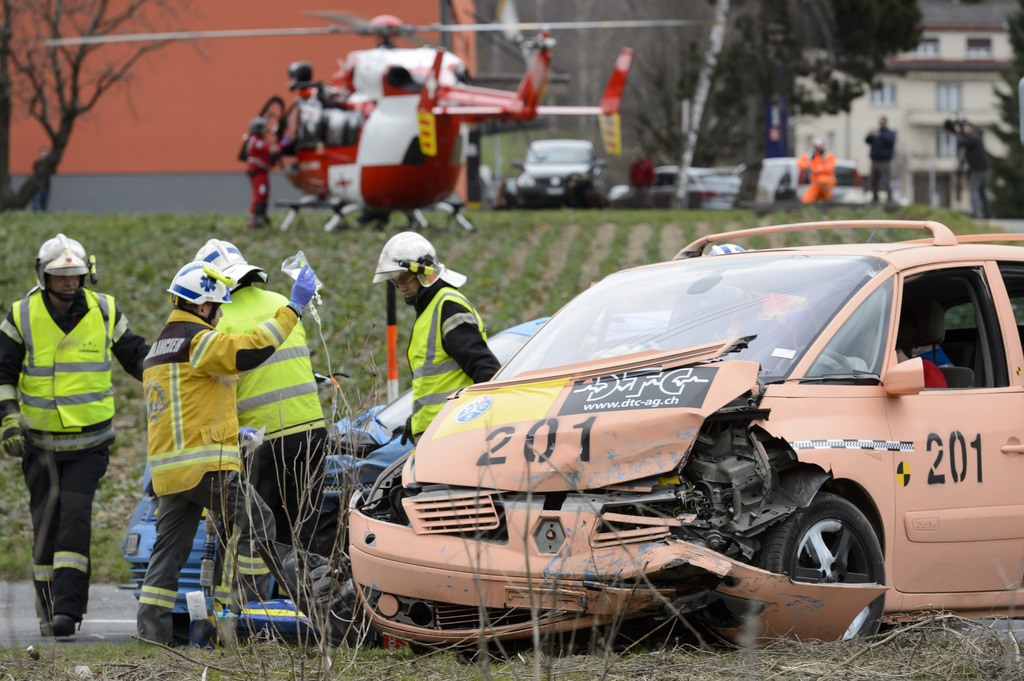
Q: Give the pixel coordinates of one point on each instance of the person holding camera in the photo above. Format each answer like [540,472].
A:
[971,150]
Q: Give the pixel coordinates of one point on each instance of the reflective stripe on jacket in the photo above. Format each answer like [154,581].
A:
[65,379]
[189,383]
[280,394]
[434,373]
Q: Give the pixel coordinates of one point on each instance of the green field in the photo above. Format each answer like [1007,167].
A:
[520,265]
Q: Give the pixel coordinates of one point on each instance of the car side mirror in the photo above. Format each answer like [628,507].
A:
[905,378]
[517,165]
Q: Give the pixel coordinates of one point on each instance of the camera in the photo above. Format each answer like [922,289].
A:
[954,125]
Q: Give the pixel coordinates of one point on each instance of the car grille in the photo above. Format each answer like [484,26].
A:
[449,616]
[448,512]
[616,529]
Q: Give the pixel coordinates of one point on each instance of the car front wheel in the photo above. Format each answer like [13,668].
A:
[829,542]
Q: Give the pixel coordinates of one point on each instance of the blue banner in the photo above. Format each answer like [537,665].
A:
[776,128]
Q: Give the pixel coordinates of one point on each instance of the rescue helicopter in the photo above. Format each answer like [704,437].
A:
[389,131]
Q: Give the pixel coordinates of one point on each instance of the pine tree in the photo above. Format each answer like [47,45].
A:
[1008,171]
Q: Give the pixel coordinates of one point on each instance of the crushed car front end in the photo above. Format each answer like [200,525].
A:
[620,466]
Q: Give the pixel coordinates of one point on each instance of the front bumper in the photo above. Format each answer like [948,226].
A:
[441,588]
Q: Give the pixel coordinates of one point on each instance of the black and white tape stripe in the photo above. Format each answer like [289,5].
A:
[873,445]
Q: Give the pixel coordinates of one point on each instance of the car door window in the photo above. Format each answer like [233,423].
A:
[1013,278]
[971,344]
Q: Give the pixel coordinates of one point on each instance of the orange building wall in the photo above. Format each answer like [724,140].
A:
[186,109]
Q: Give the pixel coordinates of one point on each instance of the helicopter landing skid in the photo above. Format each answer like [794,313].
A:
[455,213]
[310,201]
[340,216]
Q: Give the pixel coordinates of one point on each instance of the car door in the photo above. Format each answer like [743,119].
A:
[959,509]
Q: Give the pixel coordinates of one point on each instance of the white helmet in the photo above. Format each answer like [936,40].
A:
[199,282]
[60,256]
[722,249]
[226,257]
[411,252]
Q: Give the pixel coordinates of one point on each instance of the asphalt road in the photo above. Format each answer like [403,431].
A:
[1008,225]
[111,617]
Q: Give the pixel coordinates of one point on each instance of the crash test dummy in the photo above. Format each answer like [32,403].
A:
[189,384]
[279,398]
[57,404]
[821,166]
[448,349]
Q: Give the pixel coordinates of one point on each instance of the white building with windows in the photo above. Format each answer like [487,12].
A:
[953,73]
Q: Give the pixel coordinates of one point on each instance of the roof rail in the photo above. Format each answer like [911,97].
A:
[941,235]
[987,238]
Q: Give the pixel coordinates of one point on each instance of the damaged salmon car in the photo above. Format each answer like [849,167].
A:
[790,441]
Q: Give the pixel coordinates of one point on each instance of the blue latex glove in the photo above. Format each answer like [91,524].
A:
[248,433]
[303,288]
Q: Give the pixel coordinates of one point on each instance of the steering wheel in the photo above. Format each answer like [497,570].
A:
[835,361]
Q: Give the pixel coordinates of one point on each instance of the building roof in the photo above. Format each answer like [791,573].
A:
[939,14]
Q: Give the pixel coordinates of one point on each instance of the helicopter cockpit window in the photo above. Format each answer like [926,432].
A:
[341,127]
[401,78]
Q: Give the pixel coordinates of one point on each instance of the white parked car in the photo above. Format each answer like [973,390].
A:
[708,189]
[782,180]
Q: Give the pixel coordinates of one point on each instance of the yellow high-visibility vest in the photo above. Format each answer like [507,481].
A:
[435,374]
[65,379]
[280,394]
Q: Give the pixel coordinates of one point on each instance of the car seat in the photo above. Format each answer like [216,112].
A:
[929,331]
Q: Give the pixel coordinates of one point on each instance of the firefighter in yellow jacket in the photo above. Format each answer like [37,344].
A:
[189,383]
[280,396]
[448,349]
[56,347]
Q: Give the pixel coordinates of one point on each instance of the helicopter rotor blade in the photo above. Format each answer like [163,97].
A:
[548,25]
[340,17]
[193,35]
[360,27]
[363,27]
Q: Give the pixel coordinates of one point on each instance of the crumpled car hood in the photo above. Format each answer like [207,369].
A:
[592,428]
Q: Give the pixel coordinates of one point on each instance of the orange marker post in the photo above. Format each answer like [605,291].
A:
[392,345]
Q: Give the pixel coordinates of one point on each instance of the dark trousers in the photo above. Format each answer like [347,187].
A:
[288,474]
[178,516]
[61,491]
[976,182]
[881,178]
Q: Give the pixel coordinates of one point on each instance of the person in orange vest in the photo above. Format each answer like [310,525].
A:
[822,167]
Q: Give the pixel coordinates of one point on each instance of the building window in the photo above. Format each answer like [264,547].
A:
[979,48]
[928,48]
[945,144]
[883,95]
[947,96]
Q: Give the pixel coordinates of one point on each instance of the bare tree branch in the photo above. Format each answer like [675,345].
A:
[53,85]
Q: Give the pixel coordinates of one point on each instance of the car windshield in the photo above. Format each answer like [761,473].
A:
[784,301]
[558,154]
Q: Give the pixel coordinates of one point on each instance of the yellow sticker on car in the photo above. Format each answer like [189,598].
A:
[903,474]
[527,402]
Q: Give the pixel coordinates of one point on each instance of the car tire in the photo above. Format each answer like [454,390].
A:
[846,536]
